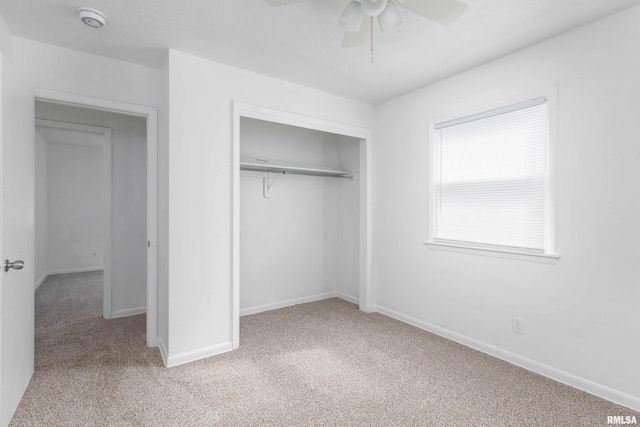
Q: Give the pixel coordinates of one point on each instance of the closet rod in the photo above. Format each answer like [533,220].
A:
[294,170]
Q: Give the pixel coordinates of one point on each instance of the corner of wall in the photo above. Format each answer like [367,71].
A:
[40,281]
[163,213]
[192,356]
[163,352]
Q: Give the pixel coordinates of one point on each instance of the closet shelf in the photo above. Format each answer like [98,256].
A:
[294,170]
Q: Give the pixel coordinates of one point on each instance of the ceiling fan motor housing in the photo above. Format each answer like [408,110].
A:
[373,7]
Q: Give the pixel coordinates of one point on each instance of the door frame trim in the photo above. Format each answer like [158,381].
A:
[1,222]
[151,115]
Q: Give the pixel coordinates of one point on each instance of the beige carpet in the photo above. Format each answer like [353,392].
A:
[322,363]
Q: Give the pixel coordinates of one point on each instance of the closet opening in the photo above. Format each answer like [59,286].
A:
[301,212]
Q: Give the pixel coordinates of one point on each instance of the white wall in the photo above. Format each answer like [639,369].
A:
[128,200]
[288,242]
[50,67]
[581,314]
[41,211]
[199,148]
[75,200]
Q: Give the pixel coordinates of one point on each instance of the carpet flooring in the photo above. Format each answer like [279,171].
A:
[322,363]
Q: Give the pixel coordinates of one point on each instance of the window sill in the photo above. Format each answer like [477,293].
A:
[540,258]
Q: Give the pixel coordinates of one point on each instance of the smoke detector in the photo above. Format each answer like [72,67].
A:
[91,17]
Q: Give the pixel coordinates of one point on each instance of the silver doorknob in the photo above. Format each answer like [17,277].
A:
[16,265]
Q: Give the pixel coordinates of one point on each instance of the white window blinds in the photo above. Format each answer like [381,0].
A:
[491,179]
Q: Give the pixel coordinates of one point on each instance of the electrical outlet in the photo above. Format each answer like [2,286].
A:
[517,324]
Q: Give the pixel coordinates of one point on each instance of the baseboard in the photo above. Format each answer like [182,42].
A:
[128,312]
[564,377]
[295,301]
[192,356]
[351,299]
[287,303]
[41,280]
[68,271]
[75,270]
[163,352]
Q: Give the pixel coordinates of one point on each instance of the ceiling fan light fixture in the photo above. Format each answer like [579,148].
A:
[390,18]
[352,16]
[373,7]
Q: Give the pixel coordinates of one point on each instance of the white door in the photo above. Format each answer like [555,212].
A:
[17,242]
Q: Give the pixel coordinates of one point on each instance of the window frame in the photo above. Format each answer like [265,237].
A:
[549,255]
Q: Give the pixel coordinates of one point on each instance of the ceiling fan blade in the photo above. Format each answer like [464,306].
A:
[358,38]
[441,11]
[278,3]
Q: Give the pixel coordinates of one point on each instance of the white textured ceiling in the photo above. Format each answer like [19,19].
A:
[301,42]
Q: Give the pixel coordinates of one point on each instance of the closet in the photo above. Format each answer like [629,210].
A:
[299,221]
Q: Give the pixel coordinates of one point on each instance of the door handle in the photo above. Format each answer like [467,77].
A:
[16,265]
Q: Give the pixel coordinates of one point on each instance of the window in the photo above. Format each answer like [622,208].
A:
[490,184]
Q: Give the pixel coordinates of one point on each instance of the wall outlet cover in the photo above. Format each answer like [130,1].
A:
[517,325]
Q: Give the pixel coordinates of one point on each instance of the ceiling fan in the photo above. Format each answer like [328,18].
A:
[353,18]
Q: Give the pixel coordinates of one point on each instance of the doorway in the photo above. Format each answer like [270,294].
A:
[73,199]
[114,301]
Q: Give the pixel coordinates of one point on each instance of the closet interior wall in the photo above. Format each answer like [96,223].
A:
[302,242]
